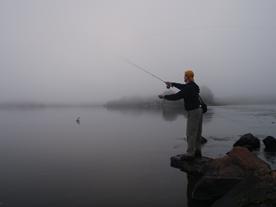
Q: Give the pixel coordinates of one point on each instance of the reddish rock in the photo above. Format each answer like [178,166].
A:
[212,188]
[239,162]
[273,175]
[253,191]
[218,176]
[248,161]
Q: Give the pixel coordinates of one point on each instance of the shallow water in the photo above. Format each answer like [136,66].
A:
[113,157]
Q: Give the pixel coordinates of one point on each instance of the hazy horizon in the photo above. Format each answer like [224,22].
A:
[71,51]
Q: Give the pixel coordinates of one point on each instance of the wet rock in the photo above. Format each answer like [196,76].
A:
[249,162]
[249,141]
[251,192]
[192,181]
[218,176]
[239,162]
[191,166]
[203,140]
[215,186]
[270,144]
[222,174]
[273,174]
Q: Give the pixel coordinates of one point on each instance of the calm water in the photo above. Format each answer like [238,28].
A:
[114,157]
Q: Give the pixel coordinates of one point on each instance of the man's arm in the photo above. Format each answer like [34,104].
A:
[174,97]
[179,86]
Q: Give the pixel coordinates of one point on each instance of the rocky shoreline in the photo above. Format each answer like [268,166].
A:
[239,178]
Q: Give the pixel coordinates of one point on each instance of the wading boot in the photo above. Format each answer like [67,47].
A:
[198,154]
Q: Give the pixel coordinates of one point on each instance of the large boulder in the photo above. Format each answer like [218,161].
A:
[222,174]
[218,176]
[251,192]
[212,187]
[273,174]
[249,141]
[239,162]
[270,144]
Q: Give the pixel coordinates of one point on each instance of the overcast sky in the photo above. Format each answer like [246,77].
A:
[71,50]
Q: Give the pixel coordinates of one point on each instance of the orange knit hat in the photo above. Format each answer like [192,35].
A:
[189,74]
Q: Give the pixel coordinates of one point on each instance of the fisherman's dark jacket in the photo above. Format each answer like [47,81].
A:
[189,92]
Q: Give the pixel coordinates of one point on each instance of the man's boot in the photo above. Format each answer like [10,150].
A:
[198,154]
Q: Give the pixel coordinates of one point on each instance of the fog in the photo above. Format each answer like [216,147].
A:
[72,50]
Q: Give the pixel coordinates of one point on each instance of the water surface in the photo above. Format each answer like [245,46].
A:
[113,157]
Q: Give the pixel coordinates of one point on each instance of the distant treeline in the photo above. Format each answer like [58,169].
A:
[154,102]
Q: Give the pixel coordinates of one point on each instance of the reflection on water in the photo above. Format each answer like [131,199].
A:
[168,113]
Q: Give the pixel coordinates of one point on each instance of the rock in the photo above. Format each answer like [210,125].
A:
[193,167]
[212,187]
[251,192]
[273,175]
[203,140]
[239,162]
[270,144]
[223,167]
[249,162]
[249,141]
[222,174]
[192,181]
[217,176]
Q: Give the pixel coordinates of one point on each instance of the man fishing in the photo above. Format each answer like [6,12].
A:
[190,93]
[193,104]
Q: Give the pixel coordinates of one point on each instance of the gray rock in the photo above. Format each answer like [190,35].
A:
[249,141]
[270,144]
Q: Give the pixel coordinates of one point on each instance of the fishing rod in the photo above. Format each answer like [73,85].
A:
[145,71]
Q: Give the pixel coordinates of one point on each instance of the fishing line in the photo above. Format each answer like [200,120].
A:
[143,69]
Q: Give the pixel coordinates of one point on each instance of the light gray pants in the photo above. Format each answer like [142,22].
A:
[194,130]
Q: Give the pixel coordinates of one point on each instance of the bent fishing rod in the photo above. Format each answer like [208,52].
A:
[145,71]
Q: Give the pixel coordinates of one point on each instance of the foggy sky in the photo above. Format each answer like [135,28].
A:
[71,50]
